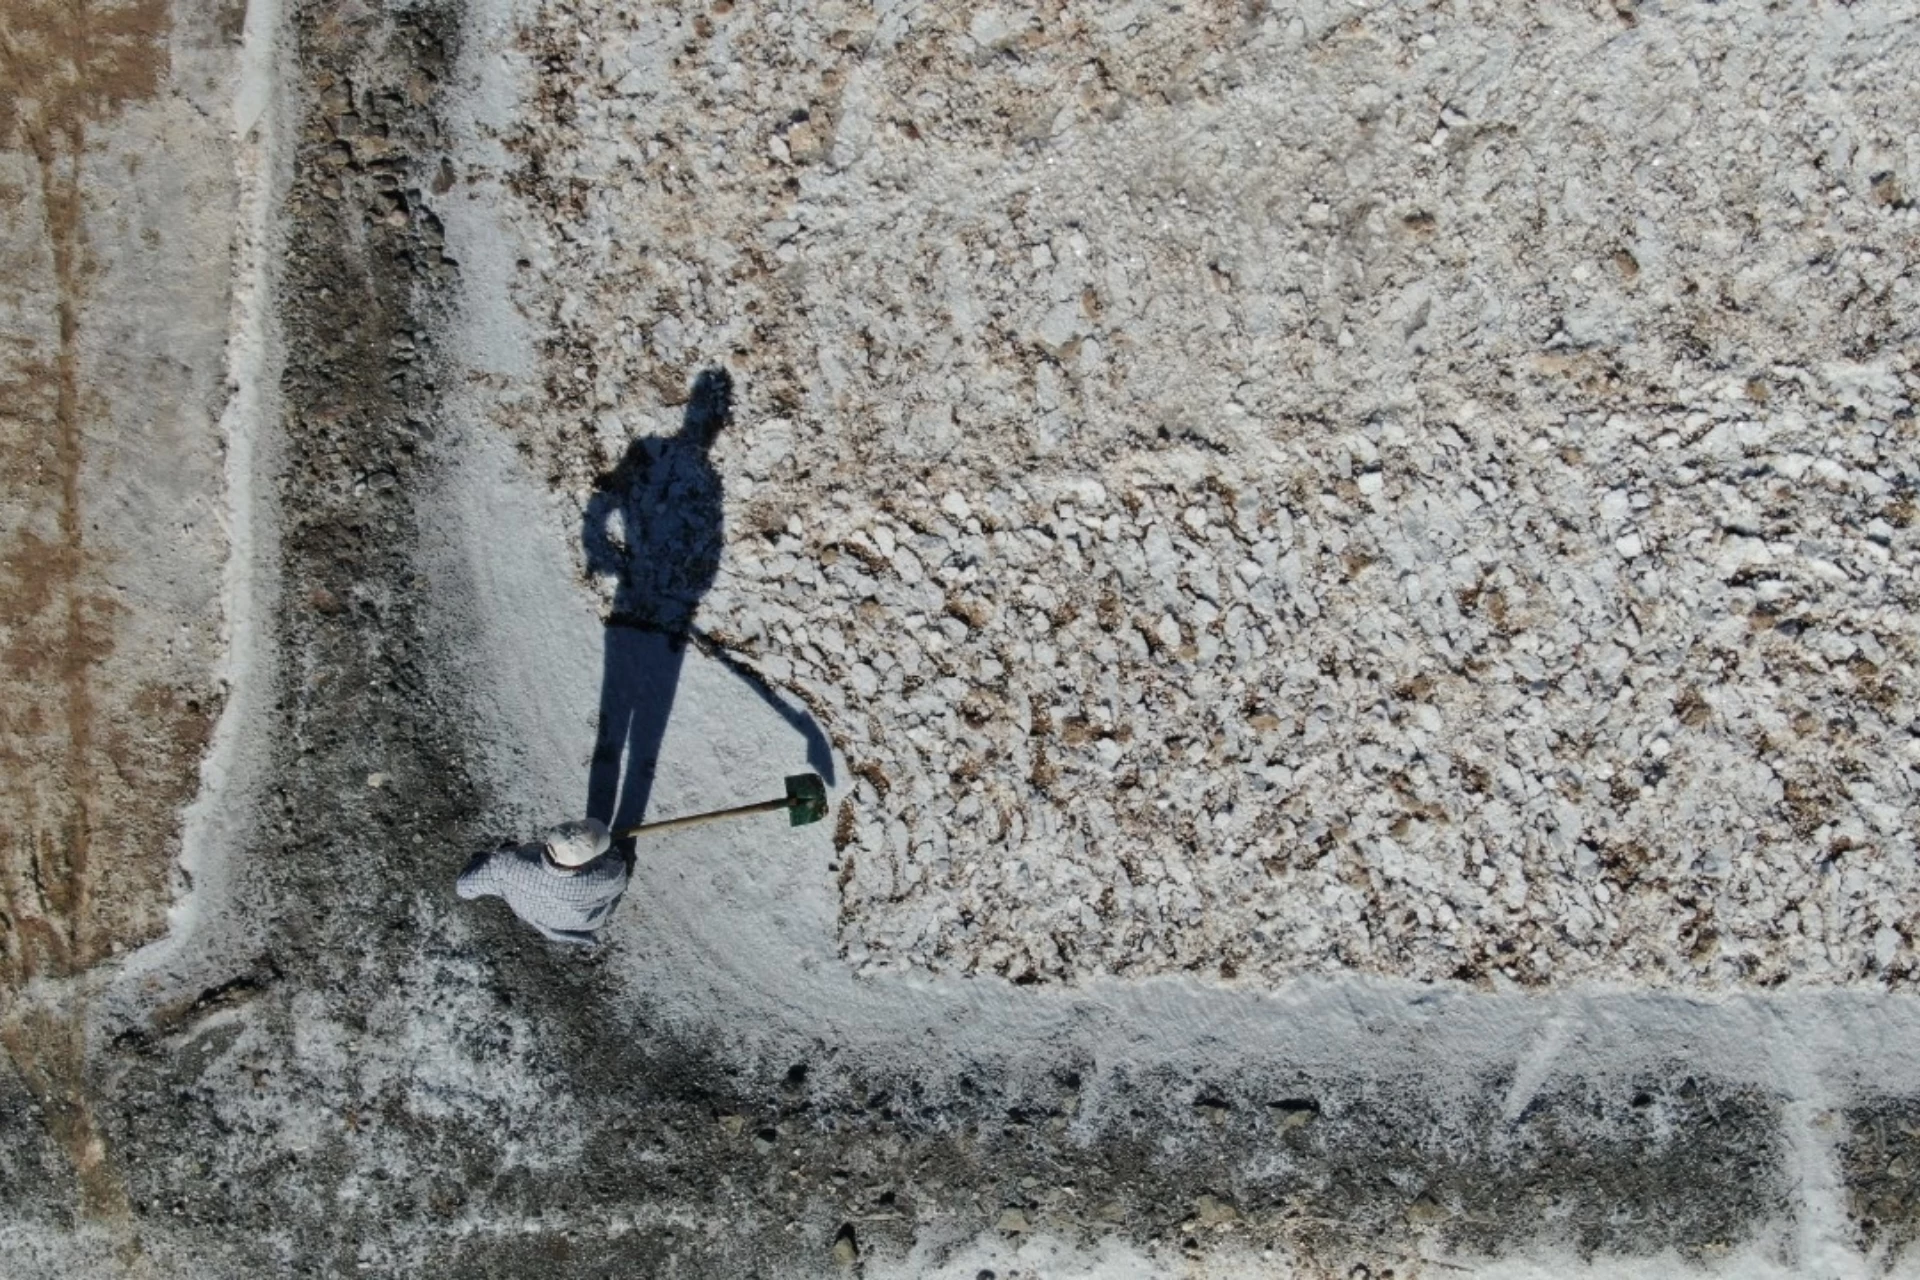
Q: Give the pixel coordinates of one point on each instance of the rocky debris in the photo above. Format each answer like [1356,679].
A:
[1880,1161]
[1241,517]
[1425,1211]
[1215,1109]
[1210,1210]
[846,1246]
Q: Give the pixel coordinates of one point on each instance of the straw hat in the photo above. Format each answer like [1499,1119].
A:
[575,844]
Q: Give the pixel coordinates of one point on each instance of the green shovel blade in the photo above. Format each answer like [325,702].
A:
[806,799]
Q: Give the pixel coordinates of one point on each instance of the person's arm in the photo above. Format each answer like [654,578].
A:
[567,937]
[603,556]
[477,880]
[609,879]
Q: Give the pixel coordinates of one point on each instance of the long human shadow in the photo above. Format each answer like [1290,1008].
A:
[655,525]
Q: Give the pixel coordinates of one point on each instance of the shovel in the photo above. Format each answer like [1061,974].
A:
[805,802]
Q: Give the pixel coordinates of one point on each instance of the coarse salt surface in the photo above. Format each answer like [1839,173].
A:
[1232,527]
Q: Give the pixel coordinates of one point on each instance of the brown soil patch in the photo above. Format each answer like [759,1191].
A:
[93,769]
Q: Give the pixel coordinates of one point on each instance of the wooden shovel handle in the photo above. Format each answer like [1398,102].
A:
[694,820]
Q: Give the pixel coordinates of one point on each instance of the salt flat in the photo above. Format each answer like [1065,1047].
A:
[1260,492]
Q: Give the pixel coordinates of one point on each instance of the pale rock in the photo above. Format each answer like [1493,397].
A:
[1886,944]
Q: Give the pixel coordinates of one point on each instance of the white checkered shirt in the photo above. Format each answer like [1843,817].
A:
[566,908]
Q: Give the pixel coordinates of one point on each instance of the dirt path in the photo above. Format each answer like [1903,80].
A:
[108,555]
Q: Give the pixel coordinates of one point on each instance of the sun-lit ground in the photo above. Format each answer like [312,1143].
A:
[1363,490]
